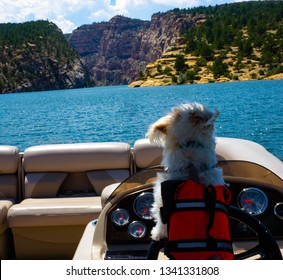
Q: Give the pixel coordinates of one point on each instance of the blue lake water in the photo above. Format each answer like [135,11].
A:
[249,110]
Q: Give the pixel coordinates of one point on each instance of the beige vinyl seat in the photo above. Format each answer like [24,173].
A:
[146,154]
[9,194]
[62,189]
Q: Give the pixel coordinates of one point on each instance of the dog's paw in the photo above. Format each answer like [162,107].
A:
[159,232]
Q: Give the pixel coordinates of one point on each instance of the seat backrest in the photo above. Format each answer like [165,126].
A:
[9,172]
[146,154]
[81,169]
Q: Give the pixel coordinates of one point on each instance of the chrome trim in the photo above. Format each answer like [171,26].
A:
[132,225]
[117,211]
[137,200]
[253,190]
[275,211]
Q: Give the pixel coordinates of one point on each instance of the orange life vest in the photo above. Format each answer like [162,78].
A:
[197,219]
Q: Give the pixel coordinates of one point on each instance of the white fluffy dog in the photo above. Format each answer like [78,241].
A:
[186,135]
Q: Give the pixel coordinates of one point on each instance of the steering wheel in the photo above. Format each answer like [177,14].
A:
[267,247]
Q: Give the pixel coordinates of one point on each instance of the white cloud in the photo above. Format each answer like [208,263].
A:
[59,11]
[69,14]
[100,15]
[178,3]
[65,25]
[109,9]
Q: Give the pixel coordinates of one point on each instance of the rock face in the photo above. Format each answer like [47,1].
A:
[43,74]
[116,51]
[38,57]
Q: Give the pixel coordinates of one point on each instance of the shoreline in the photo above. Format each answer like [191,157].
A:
[164,81]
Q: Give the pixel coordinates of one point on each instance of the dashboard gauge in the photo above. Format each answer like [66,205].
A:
[252,200]
[143,204]
[120,217]
[137,229]
[278,210]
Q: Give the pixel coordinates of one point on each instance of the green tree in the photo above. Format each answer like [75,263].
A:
[180,63]
[219,68]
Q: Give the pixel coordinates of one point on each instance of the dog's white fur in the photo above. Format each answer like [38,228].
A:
[187,137]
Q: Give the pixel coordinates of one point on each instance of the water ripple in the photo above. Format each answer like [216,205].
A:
[250,110]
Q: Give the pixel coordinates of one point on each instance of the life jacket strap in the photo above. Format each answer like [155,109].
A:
[198,205]
[168,189]
[198,245]
[210,204]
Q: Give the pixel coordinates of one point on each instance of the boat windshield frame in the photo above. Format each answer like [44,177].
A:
[241,170]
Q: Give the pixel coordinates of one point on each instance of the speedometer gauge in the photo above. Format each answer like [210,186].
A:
[252,200]
[120,217]
[137,229]
[143,204]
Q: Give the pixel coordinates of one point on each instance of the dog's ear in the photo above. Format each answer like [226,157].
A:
[212,119]
[158,131]
[199,118]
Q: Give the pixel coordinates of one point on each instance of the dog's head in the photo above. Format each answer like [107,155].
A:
[186,126]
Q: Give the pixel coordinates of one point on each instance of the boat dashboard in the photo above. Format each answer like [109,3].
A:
[129,222]
[124,226]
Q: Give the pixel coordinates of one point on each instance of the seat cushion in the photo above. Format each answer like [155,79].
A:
[147,154]
[54,211]
[4,207]
[78,157]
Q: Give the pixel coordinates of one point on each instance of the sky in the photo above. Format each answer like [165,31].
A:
[70,14]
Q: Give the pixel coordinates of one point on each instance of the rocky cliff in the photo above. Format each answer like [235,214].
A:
[38,57]
[115,52]
[238,41]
